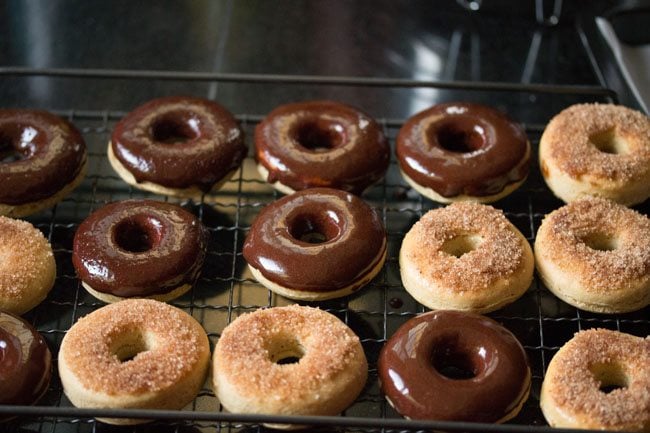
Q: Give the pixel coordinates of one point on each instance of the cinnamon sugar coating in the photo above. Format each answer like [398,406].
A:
[573,388]
[568,139]
[328,376]
[174,344]
[27,267]
[599,271]
[499,254]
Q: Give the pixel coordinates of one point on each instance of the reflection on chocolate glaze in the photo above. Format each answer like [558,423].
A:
[139,248]
[46,153]
[319,239]
[454,366]
[463,148]
[25,362]
[179,142]
[321,144]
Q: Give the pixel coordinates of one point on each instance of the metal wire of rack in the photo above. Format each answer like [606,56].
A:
[225,288]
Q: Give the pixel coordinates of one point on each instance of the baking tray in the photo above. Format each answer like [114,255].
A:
[226,289]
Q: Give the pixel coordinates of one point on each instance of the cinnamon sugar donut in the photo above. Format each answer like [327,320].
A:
[27,267]
[576,392]
[137,353]
[466,256]
[595,255]
[597,150]
[288,360]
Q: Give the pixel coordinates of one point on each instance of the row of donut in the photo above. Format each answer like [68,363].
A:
[323,243]
[296,360]
[456,151]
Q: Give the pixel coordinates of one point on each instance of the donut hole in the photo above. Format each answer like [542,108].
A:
[315,228]
[609,141]
[137,234]
[600,241]
[17,144]
[611,376]
[453,361]
[130,345]
[457,138]
[319,135]
[460,245]
[284,351]
[174,129]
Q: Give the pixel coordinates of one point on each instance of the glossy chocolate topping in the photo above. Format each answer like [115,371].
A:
[463,148]
[319,239]
[40,153]
[179,142]
[454,366]
[139,248]
[25,362]
[321,144]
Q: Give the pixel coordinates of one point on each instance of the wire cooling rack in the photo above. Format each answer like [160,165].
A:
[226,289]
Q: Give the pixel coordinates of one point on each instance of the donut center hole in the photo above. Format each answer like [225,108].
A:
[453,362]
[129,346]
[611,377]
[609,141]
[172,130]
[137,235]
[285,351]
[600,242]
[17,145]
[315,228]
[458,138]
[460,245]
[319,135]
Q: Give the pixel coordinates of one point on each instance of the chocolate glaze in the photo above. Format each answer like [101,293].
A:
[354,240]
[321,144]
[463,148]
[51,154]
[25,362]
[139,248]
[179,142]
[410,363]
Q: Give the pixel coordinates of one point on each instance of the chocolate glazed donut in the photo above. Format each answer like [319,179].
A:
[461,151]
[139,248]
[454,366]
[25,362]
[177,145]
[320,144]
[316,244]
[42,158]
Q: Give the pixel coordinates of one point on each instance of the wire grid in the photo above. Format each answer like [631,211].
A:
[225,289]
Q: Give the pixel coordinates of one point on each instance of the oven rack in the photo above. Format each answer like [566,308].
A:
[225,289]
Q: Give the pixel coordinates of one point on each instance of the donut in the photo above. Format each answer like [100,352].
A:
[320,144]
[25,362]
[599,380]
[454,366]
[179,146]
[462,151]
[134,354]
[27,267]
[466,256]
[598,150]
[316,244]
[42,159]
[594,254]
[288,361]
[139,248]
